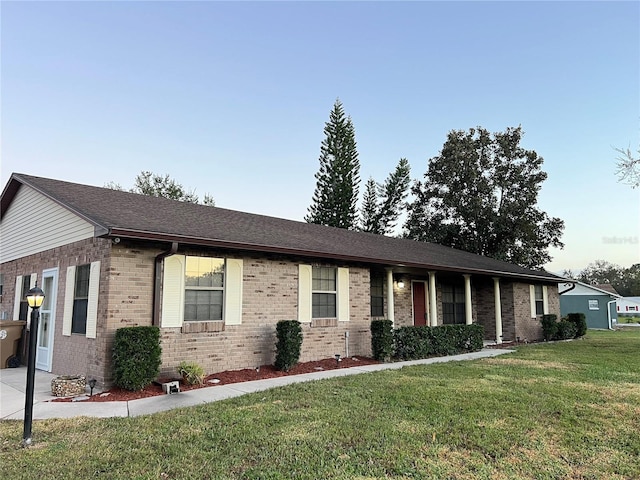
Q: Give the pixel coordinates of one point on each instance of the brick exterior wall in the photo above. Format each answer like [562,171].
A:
[270,294]
[73,354]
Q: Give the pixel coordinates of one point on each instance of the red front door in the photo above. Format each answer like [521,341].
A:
[419,304]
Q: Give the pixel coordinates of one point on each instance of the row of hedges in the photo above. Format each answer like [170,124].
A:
[412,343]
[574,325]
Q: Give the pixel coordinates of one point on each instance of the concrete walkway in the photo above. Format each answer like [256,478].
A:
[13,386]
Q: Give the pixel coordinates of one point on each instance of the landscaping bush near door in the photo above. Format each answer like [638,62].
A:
[412,343]
[136,357]
[382,340]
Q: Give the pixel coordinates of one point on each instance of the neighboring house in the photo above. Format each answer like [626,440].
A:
[597,304]
[628,306]
[217,281]
[607,287]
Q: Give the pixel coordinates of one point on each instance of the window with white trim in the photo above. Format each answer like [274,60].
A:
[80,300]
[324,292]
[539,299]
[204,289]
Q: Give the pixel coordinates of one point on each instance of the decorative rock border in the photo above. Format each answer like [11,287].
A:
[68,385]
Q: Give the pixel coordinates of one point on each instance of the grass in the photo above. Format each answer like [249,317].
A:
[628,318]
[563,410]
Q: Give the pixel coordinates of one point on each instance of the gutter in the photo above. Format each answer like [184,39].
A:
[573,285]
[144,235]
[157,273]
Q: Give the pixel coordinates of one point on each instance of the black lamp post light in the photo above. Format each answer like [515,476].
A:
[35,297]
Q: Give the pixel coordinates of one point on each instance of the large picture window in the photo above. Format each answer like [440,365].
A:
[377,295]
[204,289]
[324,292]
[453,307]
[80,300]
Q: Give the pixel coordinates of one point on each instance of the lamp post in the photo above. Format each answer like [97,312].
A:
[35,297]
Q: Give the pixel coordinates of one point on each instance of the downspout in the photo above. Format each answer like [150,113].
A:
[157,272]
[609,313]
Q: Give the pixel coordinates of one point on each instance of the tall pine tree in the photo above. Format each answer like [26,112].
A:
[383,203]
[335,198]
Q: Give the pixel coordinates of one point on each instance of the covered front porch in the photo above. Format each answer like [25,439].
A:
[507,308]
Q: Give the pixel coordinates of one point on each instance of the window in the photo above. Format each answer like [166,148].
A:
[24,305]
[204,289]
[453,306]
[539,299]
[594,305]
[377,295]
[80,300]
[324,292]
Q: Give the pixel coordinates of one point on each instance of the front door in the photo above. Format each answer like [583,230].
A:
[44,352]
[419,303]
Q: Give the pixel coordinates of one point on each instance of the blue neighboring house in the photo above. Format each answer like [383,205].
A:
[597,302]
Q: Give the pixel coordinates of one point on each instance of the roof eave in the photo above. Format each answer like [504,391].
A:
[211,242]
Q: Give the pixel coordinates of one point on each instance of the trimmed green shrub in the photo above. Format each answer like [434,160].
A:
[191,372]
[412,343]
[382,339]
[136,357]
[580,321]
[549,327]
[289,334]
[565,330]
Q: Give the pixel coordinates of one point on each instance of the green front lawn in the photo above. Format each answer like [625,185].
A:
[561,410]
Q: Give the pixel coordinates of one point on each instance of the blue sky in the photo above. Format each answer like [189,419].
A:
[231,98]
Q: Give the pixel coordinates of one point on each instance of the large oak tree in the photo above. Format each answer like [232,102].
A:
[480,195]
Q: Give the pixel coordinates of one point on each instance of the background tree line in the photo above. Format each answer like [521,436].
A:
[626,281]
[479,194]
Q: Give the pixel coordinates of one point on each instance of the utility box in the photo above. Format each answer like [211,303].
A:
[10,334]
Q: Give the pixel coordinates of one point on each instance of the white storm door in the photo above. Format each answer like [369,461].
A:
[46,326]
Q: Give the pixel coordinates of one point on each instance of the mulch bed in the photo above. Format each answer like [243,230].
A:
[227,377]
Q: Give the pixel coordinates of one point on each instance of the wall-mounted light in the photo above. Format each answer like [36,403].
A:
[400,284]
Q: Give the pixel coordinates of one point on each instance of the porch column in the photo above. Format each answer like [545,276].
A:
[390,310]
[467,300]
[433,307]
[496,289]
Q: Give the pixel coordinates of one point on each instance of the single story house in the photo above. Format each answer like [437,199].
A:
[628,306]
[217,281]
[597,304]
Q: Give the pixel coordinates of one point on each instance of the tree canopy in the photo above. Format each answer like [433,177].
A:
[626,281]
[154,185]
[480,195]
[335,197]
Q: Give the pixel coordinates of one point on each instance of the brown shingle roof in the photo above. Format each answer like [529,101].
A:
[130,215]
[607,287]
